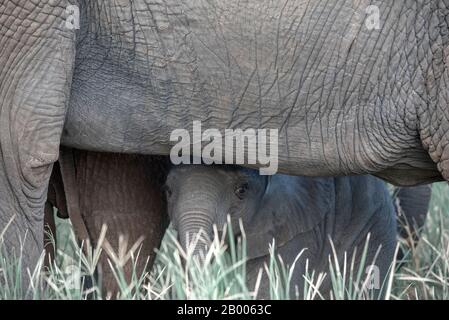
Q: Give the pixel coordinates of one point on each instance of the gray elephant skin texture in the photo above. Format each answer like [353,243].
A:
[345,98]
[296,212]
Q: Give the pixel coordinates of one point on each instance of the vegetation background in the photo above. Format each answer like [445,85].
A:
[424,272]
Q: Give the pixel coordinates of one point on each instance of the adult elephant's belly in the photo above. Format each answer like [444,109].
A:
[133,88]
[324,83]
[134,84]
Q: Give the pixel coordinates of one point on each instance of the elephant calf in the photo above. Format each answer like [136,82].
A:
[298,212]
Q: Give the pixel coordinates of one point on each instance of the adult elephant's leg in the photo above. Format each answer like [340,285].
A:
[123,192]
[412,207]
[36,59]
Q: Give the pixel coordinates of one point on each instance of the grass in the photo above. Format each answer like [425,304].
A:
[424,274]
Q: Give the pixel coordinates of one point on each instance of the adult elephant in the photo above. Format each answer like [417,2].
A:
[347,96]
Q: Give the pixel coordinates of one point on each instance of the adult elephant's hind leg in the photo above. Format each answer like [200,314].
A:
[36,59]
[123,192]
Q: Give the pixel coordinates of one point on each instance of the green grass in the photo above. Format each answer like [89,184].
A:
[424,275]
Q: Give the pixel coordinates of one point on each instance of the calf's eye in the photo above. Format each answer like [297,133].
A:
[241,190]
[167,191]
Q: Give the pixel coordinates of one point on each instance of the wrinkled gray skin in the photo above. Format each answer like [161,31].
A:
[298,212]
[346,99]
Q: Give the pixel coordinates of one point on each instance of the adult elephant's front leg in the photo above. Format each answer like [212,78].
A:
[124,193]
[36,59]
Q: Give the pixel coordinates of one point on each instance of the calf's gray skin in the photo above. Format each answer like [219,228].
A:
[347,99]
[298,212]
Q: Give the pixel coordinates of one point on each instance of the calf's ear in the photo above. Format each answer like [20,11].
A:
[289,207]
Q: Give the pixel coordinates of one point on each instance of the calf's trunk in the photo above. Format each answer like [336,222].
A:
[195,233]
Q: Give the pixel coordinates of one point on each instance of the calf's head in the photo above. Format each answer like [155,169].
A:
[278,207]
